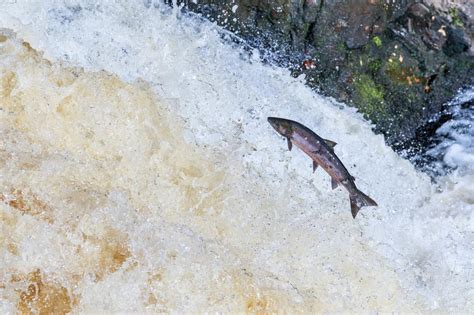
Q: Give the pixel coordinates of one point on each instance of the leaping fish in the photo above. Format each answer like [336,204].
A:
[321,152]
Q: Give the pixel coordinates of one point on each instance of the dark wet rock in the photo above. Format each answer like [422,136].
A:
[457,42]
[418,10]
[398,62]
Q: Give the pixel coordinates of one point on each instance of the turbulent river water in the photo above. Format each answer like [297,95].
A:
[453,144]
[138,173]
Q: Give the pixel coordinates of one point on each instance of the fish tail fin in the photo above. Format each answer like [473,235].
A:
[359,200]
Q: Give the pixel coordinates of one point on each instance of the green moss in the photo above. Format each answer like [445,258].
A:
[375,65]
[377,41]
[370,96]
[453,12]
[393,67]
[341,47]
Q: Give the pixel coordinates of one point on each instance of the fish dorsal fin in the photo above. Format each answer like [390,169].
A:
[315,166]
[330,143]
[290,145]
[333,183]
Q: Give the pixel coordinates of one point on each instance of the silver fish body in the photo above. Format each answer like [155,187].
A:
[321,152]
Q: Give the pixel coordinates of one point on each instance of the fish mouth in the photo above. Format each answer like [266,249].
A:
[281,125]
[274,122]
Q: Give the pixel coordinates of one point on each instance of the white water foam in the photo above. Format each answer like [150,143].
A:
[424,236]
[457,146]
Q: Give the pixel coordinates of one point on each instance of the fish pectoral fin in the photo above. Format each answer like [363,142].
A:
[334,183]
[353,178]
[315,166]
[330,143]
[290,145]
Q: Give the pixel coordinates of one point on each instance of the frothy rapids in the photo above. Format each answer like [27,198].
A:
[138,174]
[454,140]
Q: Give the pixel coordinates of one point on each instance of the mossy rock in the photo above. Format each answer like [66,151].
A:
[369,97]
[397,62]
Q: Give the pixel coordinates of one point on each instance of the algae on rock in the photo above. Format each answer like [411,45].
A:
[435,42]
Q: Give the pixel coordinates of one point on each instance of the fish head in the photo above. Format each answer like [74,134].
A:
[282,126]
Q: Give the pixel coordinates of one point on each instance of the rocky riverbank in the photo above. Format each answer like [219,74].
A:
[397,62]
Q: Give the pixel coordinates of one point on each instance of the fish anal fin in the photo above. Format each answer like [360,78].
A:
[354,207]
[290,145]
[330,143]
[315,166]
[334,183]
